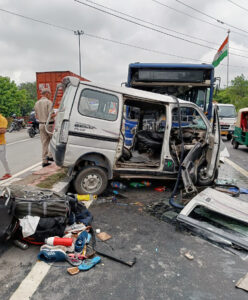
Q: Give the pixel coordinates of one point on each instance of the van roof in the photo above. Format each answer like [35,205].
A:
[224,104]
[126,91]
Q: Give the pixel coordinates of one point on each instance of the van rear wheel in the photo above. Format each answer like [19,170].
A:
[91,180]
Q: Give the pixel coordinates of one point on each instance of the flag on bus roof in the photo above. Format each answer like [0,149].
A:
[221,54]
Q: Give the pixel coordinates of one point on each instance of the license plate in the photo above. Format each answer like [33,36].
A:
[224,132]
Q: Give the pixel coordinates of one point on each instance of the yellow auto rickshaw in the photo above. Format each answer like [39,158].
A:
[240,136]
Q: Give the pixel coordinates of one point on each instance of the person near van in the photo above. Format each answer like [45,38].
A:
[3,128]
[42,109]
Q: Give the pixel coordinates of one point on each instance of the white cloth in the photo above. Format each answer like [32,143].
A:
[29,225]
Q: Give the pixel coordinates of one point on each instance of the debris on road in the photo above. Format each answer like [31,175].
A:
[188,255]
[104,236]
[243,283]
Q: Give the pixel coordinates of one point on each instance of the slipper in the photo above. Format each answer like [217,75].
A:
[73,260]
[89,263]
[52,255]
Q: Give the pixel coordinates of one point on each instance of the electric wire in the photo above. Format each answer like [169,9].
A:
[211,17]
[198,19]
[153,29]
[242,7]
[111,40]
[160,26]
[144,26]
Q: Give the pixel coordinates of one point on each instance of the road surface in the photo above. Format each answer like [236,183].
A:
[22,151]
[161,271]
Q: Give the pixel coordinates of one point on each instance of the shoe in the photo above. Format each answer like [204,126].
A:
[50,158]
[6,176]
[52,255]
[45,165]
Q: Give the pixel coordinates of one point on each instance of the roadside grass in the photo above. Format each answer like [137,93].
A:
[51,180]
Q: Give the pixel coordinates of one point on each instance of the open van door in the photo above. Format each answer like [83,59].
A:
[200,166]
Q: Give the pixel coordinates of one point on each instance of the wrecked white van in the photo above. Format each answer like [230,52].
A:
[102,132]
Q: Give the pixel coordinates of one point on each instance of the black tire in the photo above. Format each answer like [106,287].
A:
[201,181]
[31,132]
[229,137]
[235,145]
[91,180]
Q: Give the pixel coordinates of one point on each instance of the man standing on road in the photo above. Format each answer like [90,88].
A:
[3,127]
[42,109]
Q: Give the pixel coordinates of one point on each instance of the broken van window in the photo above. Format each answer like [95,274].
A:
[98,105]
[189,118]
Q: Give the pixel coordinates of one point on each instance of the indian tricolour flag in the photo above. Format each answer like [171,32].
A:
[221,54]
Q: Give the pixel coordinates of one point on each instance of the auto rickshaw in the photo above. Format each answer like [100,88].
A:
[240,136]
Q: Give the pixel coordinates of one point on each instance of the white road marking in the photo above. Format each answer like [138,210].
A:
[31,282]
[236,167]
[20,173]
[21,141]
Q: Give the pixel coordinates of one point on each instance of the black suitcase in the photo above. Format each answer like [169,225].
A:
[44,204]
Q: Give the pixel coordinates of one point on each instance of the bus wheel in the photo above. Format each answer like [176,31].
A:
[235,144]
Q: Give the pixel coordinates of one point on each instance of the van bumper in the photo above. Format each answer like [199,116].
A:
[58,153]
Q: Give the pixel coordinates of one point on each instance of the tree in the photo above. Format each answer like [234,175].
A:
[30,87]
[14,100]
[236,94]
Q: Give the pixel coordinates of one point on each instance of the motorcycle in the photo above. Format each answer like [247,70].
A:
[17,124]
[34,128]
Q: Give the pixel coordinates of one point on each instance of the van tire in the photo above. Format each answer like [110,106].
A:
[91,180]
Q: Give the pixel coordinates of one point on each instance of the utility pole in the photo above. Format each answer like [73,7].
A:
[227,75]
[79,33]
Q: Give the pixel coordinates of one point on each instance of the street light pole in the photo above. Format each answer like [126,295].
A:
[79,33]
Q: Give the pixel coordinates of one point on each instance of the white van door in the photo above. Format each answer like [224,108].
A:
[94,123]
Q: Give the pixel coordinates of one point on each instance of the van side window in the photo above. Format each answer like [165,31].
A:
[98,105]
[189,118]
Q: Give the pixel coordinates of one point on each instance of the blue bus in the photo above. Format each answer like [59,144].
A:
[190,82]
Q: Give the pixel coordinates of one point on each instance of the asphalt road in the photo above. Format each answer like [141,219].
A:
[238,156]
[22,151]
[161,271]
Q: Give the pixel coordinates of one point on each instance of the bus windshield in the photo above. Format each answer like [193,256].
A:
[190,82]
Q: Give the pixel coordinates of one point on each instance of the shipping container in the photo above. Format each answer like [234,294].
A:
[50,80]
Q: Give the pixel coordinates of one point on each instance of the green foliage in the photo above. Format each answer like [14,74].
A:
[236,94]
[30,87]
[14,100]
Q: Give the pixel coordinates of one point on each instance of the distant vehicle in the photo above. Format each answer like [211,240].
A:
[228,116]
[33,125]
[240,136]
[51,80]
[190,82]
[90,137]
[17,124]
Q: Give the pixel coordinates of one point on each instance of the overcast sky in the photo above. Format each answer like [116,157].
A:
[27,47]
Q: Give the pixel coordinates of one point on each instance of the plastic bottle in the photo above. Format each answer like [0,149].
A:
[146,183]
[118,185]
[86,197]
[136,184]
[53,241]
